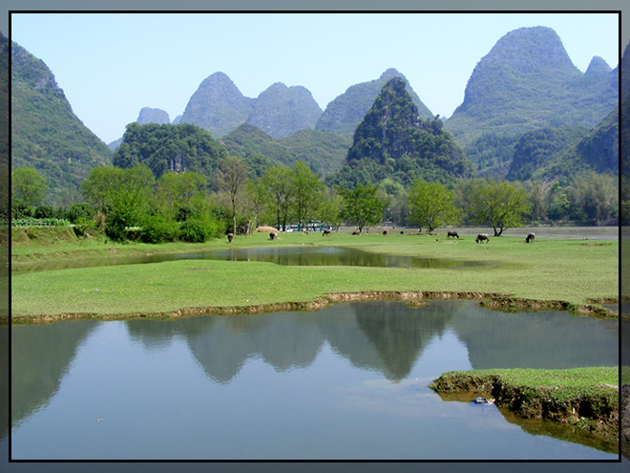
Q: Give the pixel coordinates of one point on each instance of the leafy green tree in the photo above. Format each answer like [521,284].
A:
[597,196]
[177,193]
[431,205]
[499,204]
[127,195]
[307,191]
[330,209]
[235,175]
[361,205]
[28,186]
[279,182]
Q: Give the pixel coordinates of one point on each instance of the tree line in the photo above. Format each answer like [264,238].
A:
[132,204]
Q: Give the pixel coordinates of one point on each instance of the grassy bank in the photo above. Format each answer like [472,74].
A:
[587,398]
[568,274]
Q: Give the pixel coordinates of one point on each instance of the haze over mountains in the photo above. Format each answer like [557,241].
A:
[525,83]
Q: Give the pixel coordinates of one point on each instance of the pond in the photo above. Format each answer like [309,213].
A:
[347,382]
[288,256]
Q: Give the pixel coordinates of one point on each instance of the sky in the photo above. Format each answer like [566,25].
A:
[110,65]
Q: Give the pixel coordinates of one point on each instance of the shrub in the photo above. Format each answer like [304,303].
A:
[80,210]
[157,229]
[44,211]
[193,231]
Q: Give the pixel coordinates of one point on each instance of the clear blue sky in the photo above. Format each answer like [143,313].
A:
[112,65]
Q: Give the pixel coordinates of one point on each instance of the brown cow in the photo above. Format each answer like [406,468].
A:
[482,237]
[452,234]
[273,235]
[530,237]
[326,232]
[230,237]
[356,232]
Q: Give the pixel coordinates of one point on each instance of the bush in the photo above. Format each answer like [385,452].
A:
[80,210]
[44,211]
[21,210]
[157,229]
[193,231]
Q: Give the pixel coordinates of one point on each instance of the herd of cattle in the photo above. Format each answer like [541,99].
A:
[481,237]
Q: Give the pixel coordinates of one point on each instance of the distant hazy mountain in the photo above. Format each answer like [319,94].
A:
[281,111]
[153,115]
[527,81]
[394,142]
[343,114]
[217,106]
[46,134]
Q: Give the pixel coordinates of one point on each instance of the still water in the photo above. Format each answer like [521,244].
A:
[287,256]
[346,382]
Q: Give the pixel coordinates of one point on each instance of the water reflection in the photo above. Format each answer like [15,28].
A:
[383,346]
[288,256]
[387,337]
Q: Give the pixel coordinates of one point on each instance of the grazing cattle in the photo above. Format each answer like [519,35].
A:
[326,232]
[402,233]
[530,237]
[356,232]
[273,235]
[384,232]
[452,234]
[304,231]
[230,237]
[482,237]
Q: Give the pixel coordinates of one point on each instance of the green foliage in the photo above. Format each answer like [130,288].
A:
[499,204]
[46,135]
[164,148]
[193,231]
[80,210]
[322,151]
[431,205]
[307,193]
[361,206]
[393,142]
[542,148]
[28,186]
[595,197]
[158,229]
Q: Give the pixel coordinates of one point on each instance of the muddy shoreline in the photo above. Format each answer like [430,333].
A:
[493,301]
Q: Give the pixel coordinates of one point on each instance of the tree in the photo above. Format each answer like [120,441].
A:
[431,205]
[234,174]
[279,182]
[499,204]
[28,186]
[307,192]
[361,206]
[176,192]
[126,194]
[597,196]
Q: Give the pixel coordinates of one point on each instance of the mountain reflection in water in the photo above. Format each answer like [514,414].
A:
[372,354]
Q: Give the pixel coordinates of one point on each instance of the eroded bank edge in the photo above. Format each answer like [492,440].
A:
[493,301]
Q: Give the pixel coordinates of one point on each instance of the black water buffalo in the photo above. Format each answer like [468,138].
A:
[530,237]
[452,234]
[482,237]
[356,232]
[230,237]
[326,232]
[384,232]
[273,235]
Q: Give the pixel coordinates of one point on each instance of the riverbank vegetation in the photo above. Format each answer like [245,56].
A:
[506,266]
[586,398]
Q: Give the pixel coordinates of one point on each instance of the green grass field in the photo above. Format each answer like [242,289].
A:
[573,271]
